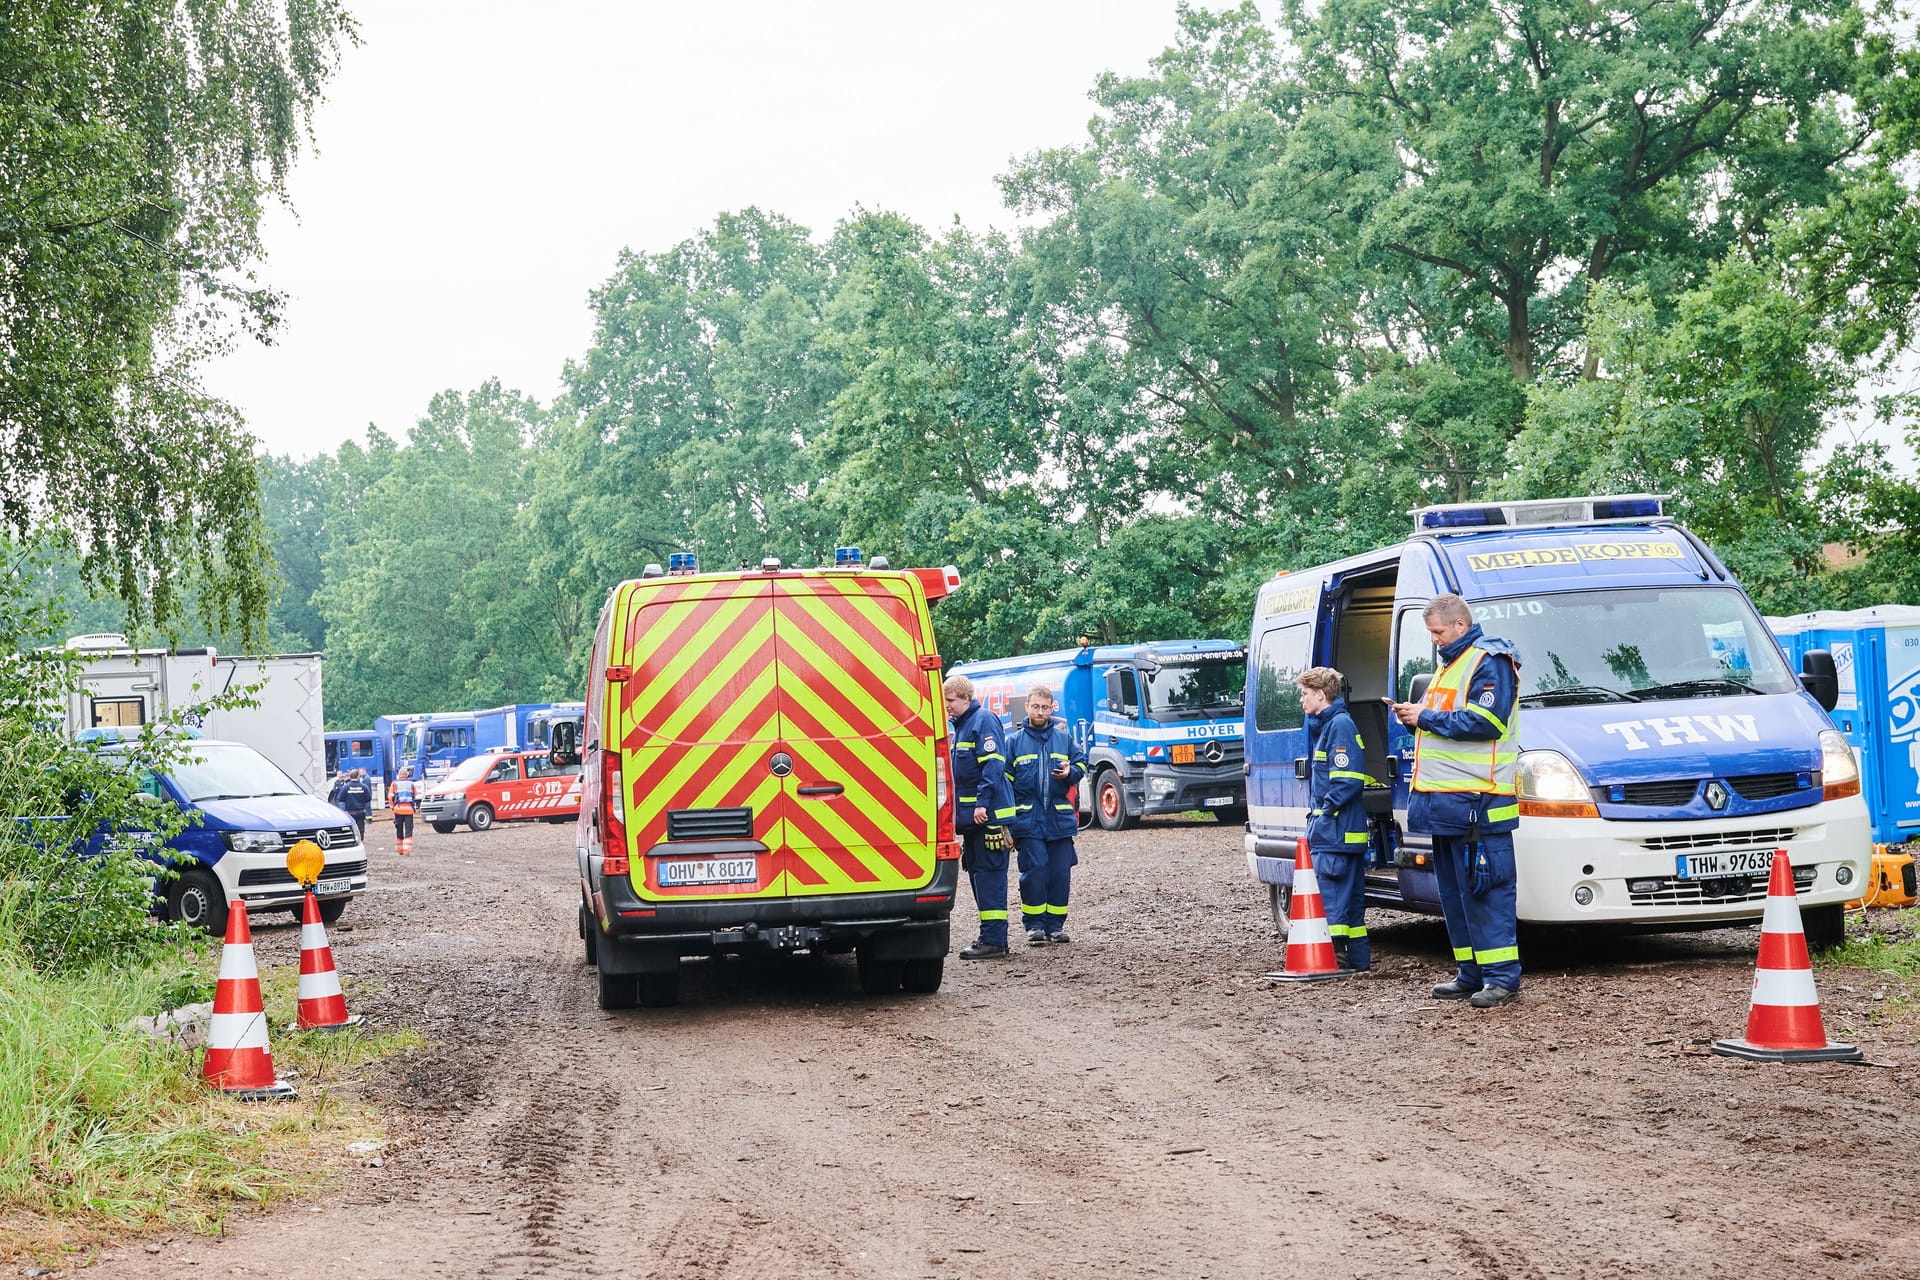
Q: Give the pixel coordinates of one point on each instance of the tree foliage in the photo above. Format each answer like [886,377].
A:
[139,141]
[1299,276]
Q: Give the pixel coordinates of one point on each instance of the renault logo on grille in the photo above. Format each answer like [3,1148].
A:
[1212,752]
[1716,796]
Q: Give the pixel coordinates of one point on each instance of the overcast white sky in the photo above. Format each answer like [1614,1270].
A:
[479,167]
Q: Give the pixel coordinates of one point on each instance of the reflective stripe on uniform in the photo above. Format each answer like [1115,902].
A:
[993,915]
[1055,911]
[1356,837]
[1499,955]
[1463,953]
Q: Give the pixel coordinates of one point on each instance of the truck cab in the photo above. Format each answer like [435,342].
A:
[1667,747]
[1162,723]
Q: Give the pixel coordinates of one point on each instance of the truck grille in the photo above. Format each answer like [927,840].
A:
[1765,838]
[262,877]
[1767,786]
[325,837]
[710,824]
[1717,892]
[1673,793]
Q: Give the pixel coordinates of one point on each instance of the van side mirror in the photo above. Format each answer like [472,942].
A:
[1820,678]
[1300,771]
[1418,691]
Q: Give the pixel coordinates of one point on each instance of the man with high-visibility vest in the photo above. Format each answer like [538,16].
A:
[1466,750]
[983,806]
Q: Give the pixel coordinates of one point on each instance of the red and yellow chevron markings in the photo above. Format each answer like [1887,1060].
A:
[728,671]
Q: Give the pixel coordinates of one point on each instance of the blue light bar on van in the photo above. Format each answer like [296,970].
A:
[846,557]
[683,562]
[1542,513]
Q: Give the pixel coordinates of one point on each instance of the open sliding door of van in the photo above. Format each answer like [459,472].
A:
[698,723]
[858,720]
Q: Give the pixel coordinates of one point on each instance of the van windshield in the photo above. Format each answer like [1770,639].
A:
[1197,687]
[1636,645]
[230,771]
[471,768]
[410,747]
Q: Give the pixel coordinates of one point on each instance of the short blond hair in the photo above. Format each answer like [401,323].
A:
[1324,681]
[1447,607]
[957,686]
[1044,692]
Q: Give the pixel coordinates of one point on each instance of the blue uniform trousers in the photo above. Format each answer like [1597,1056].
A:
[1483,931]
[1046,867]
[988,875]
[1343,894]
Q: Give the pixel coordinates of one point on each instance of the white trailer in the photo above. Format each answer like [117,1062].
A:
[122,688]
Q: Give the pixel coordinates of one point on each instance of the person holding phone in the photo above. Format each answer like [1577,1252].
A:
[1046,765]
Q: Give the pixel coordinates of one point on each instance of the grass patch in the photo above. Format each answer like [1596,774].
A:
[105,1131]
[1890,945]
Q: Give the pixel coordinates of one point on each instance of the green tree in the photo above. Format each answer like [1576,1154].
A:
[139,141]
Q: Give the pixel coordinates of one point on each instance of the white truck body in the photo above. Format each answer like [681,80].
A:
[123,687]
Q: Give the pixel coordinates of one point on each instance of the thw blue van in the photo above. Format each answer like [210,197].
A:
[1667,747]
[248,812]
[1161,723]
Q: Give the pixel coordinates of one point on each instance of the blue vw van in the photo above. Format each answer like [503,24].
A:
[1667,747]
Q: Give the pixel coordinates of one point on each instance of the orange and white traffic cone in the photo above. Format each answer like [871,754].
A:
[322,1006]
[1310,955]
[1783,1021]
[239,1062]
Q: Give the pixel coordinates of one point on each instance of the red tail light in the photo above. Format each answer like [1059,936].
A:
[946,844]
[613,815]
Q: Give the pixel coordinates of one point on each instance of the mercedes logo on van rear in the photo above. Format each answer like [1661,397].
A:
[781,764]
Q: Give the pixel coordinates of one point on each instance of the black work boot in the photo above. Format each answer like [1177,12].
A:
[1493,997]
[1340,960]
[1454,990]
[982,951]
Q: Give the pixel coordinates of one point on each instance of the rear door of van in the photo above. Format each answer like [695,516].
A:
[858,718]
[697,719]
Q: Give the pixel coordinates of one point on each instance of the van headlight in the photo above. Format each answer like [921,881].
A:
[252,841]
[1550,776]
[1839,771]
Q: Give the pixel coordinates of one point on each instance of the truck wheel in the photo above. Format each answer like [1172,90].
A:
[659,990]
[1825,926]
[1280,899]
[590,935]
[619,990]
[196,898]
[444,828]
[877,977]
[922,977]
[480,817]
[1110,802]
[331,909]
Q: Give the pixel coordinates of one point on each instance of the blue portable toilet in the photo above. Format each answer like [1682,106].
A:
[1879,711]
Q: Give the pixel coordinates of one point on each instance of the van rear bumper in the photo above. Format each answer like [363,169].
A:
[907,925]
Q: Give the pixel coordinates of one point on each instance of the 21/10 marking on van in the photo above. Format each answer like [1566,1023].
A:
[1702,866]
[709,871]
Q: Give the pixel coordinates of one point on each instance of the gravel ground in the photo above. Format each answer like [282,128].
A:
[1138,1103]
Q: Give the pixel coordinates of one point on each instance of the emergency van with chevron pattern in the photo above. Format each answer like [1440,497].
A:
[765,767]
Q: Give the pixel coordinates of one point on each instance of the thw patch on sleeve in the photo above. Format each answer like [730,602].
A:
[1486,699]
[988,746]
[1340,759]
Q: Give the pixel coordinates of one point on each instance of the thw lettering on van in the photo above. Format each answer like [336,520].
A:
[1678,731]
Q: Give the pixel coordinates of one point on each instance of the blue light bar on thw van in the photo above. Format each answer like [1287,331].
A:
[1459,517]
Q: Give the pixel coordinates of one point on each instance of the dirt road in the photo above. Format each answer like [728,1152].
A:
[1134,1104]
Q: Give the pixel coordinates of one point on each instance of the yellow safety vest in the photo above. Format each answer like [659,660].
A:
[1456,765]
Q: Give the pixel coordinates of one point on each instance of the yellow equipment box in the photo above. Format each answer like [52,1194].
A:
[1890,883]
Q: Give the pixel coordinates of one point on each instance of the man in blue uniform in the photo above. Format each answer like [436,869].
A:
[1336,819]
[1045,764]
[1466,756]
[983,805]
[356,797]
